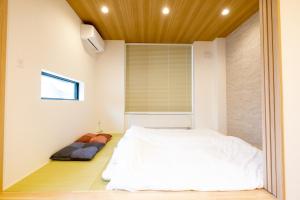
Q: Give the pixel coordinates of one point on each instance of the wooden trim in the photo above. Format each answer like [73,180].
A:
[265,96]
[3,29]
[279,102]
[273,140]
[144,195]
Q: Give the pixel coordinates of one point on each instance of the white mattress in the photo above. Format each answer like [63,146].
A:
[173,160]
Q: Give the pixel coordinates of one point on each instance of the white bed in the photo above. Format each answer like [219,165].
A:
[174,160]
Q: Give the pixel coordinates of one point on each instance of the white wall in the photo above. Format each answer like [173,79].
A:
[110,88]
[43,34]
[210,90]
[210,85]
[290,32]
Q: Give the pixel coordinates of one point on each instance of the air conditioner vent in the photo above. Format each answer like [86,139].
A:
[91,38]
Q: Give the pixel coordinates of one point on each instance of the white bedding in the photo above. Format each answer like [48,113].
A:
[203,160]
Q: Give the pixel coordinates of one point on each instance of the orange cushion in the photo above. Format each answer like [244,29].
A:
[108,136]
[86,138]
[99,139]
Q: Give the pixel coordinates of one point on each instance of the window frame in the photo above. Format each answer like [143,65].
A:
[76,86]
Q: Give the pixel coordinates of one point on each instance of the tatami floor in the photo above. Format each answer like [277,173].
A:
[69,176]
[82,181]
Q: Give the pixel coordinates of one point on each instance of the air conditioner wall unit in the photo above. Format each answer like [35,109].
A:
[91,38]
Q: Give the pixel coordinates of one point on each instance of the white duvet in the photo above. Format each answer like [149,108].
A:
[203,160]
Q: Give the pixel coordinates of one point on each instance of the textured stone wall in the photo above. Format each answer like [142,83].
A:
[244,82]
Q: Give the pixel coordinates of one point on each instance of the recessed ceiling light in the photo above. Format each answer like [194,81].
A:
[104,9]
[225,11]
[165,10]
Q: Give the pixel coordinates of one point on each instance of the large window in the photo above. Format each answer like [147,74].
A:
[58,88]
[158,78]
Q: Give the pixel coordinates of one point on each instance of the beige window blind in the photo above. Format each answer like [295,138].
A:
[158,78]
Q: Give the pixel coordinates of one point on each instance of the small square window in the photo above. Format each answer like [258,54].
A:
[54,87]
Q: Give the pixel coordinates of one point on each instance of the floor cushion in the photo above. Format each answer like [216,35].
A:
[78,151]
[84,153]
[64,153]
[86,137]
[108,136]
[99,139]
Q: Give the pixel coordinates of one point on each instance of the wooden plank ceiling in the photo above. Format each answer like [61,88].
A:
[141,21]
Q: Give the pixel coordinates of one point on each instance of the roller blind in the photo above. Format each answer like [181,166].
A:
[158,78]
